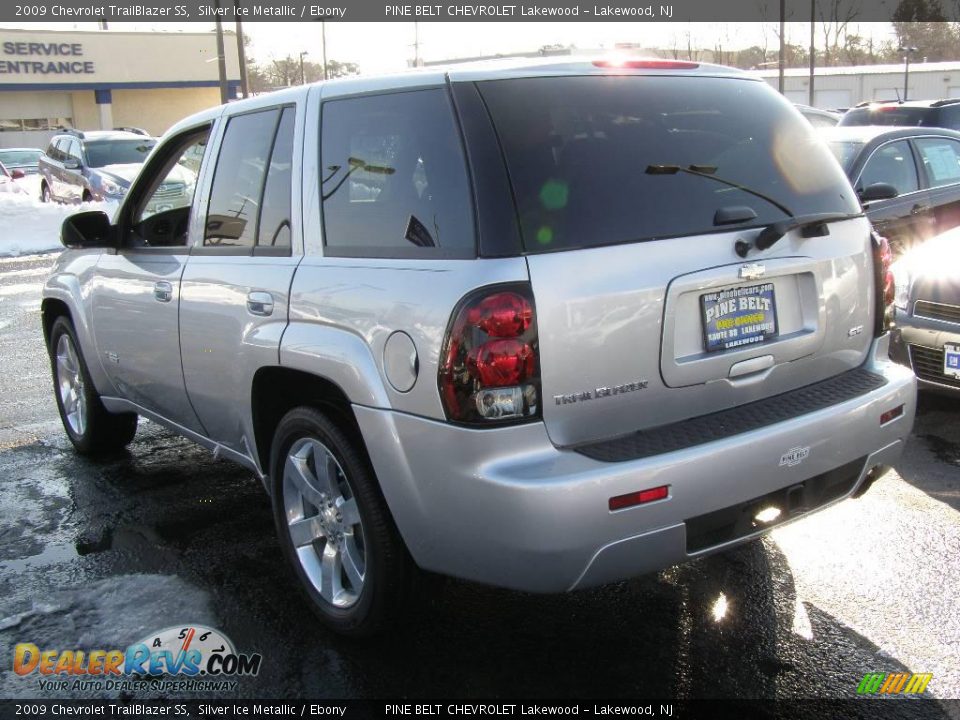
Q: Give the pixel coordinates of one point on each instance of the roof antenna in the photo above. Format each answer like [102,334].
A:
[897,91]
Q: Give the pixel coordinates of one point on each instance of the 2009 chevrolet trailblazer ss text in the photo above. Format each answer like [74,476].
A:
[543,326]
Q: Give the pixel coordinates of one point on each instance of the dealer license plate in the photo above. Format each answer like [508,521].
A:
[736,317]
[951,360]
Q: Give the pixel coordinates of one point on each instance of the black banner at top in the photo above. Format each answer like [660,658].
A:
[825,11]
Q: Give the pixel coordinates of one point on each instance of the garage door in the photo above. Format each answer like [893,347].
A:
[832,99]
[29,119]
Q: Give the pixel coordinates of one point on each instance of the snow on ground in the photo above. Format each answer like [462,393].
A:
[29,226]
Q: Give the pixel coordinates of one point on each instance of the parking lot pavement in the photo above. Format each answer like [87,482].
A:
[101,554]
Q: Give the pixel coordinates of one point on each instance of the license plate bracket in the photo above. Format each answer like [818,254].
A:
[738,317]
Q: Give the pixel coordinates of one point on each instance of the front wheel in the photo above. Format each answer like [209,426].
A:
[90,427]
[45,193]
[334,525]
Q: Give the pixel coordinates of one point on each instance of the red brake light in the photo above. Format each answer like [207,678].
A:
[647,64]
[490,365]
[886,285]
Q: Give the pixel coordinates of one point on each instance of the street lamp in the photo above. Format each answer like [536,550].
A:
[303,78]
[906,50]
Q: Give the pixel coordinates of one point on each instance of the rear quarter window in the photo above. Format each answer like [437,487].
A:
[579,152]
[394,177]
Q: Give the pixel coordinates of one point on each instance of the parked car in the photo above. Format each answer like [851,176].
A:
[908,179]
[8,181]
[542,326]
[913,113]
[927,335]
[819,118]
[22,159]
[100,165]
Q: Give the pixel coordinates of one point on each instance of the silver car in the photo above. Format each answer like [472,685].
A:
[543,326]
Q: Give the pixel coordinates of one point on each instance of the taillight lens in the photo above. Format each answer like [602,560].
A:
[489,367]
[885,282]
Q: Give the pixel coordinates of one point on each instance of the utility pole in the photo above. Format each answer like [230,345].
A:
[813,49]
[416,44]
[221,59]
[323,37]
[303,77]
[241,52]
[906,50]
[783,49]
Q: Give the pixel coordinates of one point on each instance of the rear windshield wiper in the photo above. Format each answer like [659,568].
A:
[813,225]
[707,171]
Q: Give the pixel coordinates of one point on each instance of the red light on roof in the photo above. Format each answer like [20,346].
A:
[639,498]
[647,64]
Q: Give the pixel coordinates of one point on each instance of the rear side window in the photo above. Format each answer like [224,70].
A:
[274,226]
[600,160]
[394,179]
[941,160]
[238,179]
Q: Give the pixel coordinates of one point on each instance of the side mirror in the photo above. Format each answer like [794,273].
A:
[17,174]
[878,191]
[90,229]
[71,164]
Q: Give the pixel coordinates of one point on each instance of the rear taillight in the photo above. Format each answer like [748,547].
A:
[885,283]
[490,365]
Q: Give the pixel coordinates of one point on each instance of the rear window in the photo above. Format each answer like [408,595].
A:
[578,150]
[19,157]
[890,115]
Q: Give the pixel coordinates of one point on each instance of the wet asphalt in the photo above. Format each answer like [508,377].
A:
[99,554]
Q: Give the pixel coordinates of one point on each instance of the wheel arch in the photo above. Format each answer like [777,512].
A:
[276,390]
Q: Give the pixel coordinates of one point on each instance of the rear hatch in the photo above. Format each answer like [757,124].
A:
[641,199]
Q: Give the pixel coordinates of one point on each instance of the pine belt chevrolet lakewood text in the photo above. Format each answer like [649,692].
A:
[543,326]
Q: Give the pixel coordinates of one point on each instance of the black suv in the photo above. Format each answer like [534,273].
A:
[913,113]
[86,166]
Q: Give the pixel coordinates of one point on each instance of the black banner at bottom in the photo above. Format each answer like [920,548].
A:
[866,708]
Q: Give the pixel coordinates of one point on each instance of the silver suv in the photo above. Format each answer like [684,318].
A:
[542,326]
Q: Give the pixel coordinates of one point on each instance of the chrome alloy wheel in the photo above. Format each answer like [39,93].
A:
[70,385]
[324,522]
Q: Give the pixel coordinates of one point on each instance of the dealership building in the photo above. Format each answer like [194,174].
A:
[98,80]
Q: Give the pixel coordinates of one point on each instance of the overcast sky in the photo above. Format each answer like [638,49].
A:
[380,47]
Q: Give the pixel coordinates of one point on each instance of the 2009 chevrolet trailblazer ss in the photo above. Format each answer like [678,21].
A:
[543,326]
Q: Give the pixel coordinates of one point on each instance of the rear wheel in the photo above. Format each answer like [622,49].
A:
[334,525]
[45,193]
[89,426]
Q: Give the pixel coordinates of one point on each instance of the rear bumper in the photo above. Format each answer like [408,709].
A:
[508,508]
[918,344]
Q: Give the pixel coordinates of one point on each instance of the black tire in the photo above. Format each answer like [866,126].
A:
[45,195]
[101,431]
[389,570]
[87,197]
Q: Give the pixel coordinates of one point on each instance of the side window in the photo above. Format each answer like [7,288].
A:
[274,226]
[177,182]
[62,145]
[893,163]
[941,160]
[73,151]
[394,180]
[52,152]
[238,179]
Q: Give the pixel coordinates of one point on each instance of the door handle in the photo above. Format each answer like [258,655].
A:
[260,303]
[163,291]
[918,209]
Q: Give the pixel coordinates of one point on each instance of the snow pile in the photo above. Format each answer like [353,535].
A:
[29,226]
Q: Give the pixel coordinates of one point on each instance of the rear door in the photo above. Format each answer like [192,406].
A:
[629,190]
[235,291]
[939,159]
